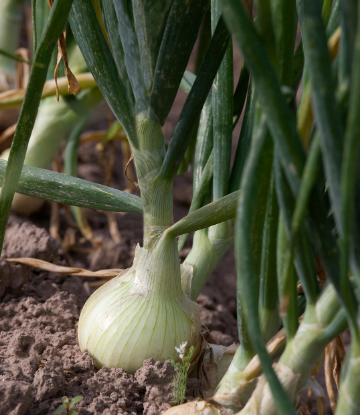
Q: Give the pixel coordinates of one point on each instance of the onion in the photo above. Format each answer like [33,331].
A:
[53,122]
[142,313]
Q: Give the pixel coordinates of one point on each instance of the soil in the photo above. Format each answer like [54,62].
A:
[40,360]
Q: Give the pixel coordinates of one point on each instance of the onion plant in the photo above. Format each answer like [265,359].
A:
[10,19]
[290,199]
[54,119]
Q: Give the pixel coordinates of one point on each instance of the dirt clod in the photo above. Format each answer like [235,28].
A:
[15,397]
[20,345]
[157,377]
[48,381]
[13,276]
[113,255]
[28,240]
[218,319]
[40,360]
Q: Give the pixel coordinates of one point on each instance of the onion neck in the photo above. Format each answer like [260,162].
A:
[158,269]
[156,192]
[209,246]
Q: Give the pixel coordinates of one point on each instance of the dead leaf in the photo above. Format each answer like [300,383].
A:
[214,364]
[80,272]
[125,172]
[334,356]
[284,306]
[73,84]
[249,6]
[206,407]
[54,221]
[14,97]
[272,346]
[130,172]
[113,227]
[320,270]
[302,410]
[315,388]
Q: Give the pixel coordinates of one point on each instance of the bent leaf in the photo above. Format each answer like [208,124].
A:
[209,215]
[80,272]
[15,97]
[58,187]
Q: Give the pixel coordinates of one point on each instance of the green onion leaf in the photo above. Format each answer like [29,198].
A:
[58,187]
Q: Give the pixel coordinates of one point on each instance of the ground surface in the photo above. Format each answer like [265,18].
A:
[40,360]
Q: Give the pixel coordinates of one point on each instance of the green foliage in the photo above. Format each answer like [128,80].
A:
[57,19]
[58,187]
[179,386]
[291,196]
[66,405]
[17,58]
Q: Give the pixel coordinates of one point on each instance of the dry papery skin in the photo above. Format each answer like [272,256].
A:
[40,360]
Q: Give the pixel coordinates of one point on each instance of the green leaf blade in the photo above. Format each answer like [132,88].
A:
[130,45]
[57,19]
[76,399]
[247,252]
[60,409]
[195,101]
[98,57]
[304,253]
[150,18]
[117,49]
[213,213]
[179,38]
[323,97]
[222,103]
[58,187]
[281,120]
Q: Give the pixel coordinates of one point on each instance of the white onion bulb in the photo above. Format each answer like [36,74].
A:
[142,313]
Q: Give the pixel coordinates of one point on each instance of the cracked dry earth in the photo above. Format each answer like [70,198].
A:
[40,360]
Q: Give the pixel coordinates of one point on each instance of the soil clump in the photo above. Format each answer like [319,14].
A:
[40,360]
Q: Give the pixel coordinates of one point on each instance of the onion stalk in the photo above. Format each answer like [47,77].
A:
[54,119]
[53,122]
[320,325]
[144,312]
[10,19]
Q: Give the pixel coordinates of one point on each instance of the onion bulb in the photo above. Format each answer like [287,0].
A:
[143,313]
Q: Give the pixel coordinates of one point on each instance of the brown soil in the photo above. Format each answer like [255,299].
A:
[40,360]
